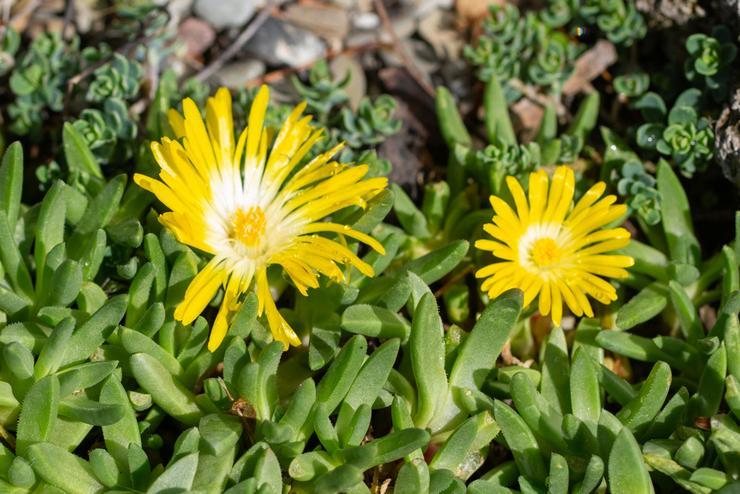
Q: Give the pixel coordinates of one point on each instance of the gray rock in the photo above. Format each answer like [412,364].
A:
[727,140]
[357,87]
[667,13]
[365,21]
[238,74]
[280,43]
[331,23]
[222,14]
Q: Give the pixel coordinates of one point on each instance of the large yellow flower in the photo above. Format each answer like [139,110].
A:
[253,203]
[549,249]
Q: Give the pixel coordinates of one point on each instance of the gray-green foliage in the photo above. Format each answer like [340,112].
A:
[681,133]
[534,47]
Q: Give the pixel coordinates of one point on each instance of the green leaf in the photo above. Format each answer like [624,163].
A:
[338,480]
[81,409]
[460,453]
[387,449]
[648,260]
[521,442]
[179,475]
[375,322]
[67,282]
[92,333]
[299,408]
[548,127]
[478,353]
[308,466]
[11,183]
[498,123]
[648,303]
[688,317]
[166,391]
[411,218]
[585,119]
[592,477]
[555,387]
[433,266]
[10,257]
[101,210]
[104,467]
[38,412]
[19,360]
[413,478]
[450,122]
[708,397]
[21,474]
[135,342]
[670,417]
[639,413]
[585,393]
[341,374]
[627,472]
[49,229]
[445,482]
[617,388]
[154,253]
[537,413]
[731,279]
[91,254]
[633,346]
[63,470]
[83,376]
[219,433]
[426,346]
[373,375]
[77,153]
[434,205]
[377,209]
[676,214]
[557,481]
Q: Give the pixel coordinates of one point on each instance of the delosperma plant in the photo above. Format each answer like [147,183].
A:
[209,291]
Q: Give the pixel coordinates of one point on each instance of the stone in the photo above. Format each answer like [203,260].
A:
[474,10]
[727,140]
[280,43]
[238,74]
[222,14]
[669,13]
[426,7]
[331,23]
[357,87]
[197,34]
[365,21]
[438,30]
[178,10]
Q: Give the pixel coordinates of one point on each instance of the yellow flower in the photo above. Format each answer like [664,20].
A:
[549,249]
[251,203]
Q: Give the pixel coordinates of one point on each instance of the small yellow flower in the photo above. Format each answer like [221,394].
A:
[549,249]
[253,203]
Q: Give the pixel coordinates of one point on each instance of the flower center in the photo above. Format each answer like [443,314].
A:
[545,252]
[249,226]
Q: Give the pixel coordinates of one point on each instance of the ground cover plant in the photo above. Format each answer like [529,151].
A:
[496,254]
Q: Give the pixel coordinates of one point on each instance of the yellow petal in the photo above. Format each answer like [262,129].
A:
[200,291]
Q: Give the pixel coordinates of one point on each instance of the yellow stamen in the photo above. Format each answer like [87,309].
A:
[250,226]
[545,252]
